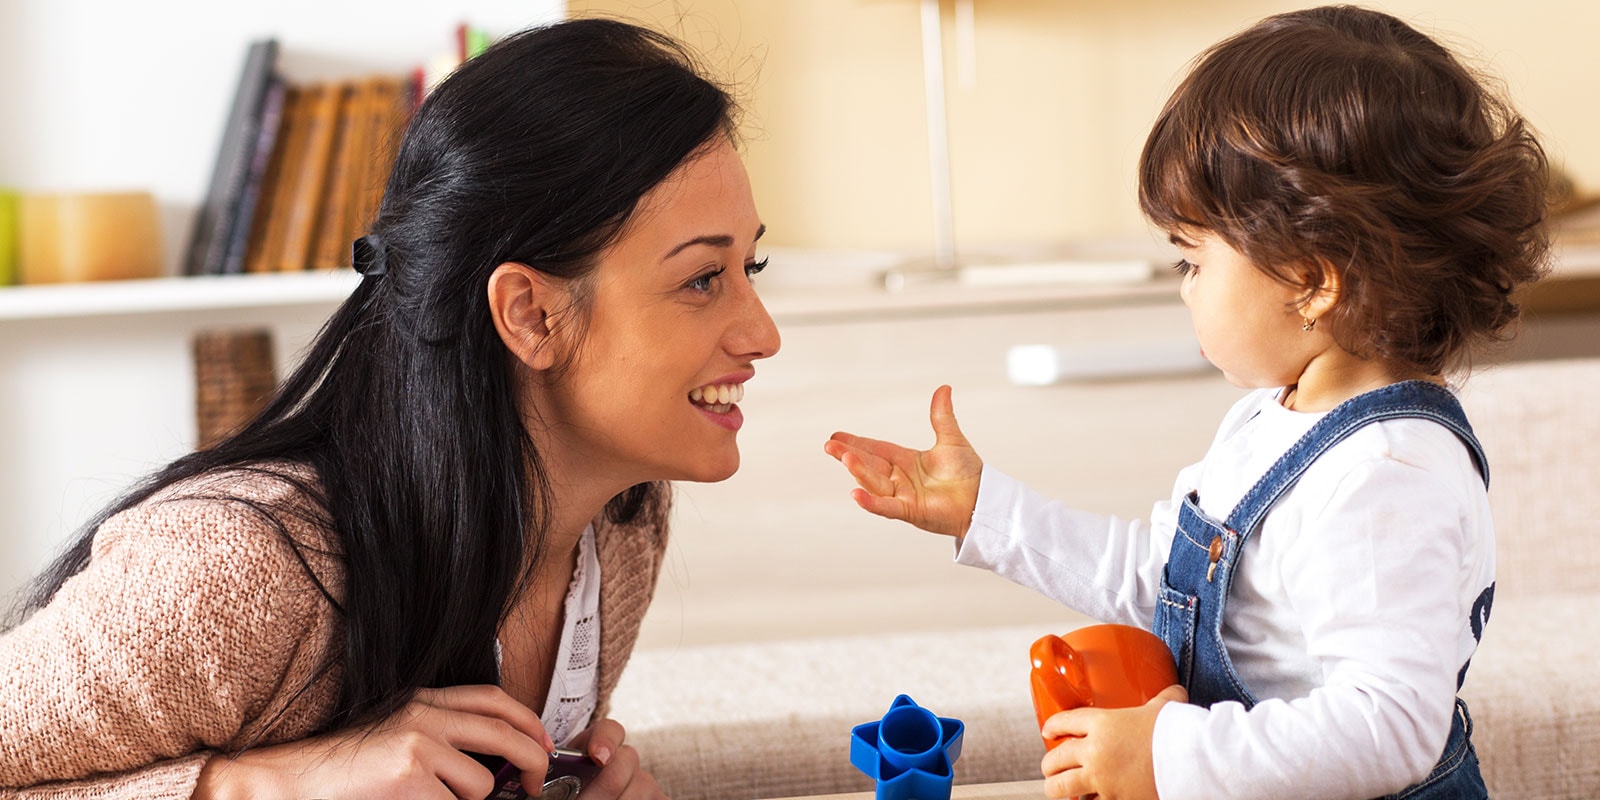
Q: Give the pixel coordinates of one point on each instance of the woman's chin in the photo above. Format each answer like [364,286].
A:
[714,471]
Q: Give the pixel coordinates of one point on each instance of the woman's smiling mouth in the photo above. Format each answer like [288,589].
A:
[719,401]
[717,397]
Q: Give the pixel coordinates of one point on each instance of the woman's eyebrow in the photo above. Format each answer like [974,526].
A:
[715,240]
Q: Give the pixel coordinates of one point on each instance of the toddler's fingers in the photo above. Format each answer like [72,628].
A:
[871,473]
[882,506]
[888,451]
[1172,694]
[942,415]
[1072,722]
[1071,783]
[1062,757]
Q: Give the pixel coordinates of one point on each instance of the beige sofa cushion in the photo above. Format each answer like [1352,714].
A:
[733,722]
[1539,422]
[725,722]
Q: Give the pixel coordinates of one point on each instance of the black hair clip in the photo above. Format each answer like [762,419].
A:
[369,257]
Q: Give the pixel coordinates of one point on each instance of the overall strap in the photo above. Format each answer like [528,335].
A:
[1416,398]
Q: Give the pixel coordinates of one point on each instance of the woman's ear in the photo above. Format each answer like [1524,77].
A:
[528,308]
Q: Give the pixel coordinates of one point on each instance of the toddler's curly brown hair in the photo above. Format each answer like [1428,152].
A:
[1340,138]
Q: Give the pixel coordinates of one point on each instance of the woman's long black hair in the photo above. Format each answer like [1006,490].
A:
[536,151]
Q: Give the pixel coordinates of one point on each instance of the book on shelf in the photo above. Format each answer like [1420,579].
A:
[303,165]
[322,181]
[330,235]
[272,209]
[212,233]
[307,173]
[256,176]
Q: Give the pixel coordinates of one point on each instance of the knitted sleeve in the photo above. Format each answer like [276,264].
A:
[630,562]
[191,623]
[167,780]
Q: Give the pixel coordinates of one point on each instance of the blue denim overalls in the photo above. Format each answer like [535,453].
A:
[1205,555]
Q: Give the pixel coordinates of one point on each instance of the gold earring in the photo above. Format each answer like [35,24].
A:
[1307,323]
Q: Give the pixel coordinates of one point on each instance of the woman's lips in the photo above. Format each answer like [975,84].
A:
[719,403]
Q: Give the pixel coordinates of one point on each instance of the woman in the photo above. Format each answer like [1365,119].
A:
[403,561]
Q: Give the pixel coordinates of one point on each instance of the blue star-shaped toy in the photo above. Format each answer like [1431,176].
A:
[910,752]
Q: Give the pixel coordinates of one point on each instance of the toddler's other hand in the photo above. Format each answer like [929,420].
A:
[934,489]
[1109,752]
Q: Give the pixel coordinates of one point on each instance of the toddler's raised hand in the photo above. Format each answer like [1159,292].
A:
[934,489]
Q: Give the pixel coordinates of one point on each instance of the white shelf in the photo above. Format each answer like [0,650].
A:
[805,287]
[165,295]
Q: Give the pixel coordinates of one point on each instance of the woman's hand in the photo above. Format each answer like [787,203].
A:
[421,751]
[620,775]
[934,489]
[1109,752]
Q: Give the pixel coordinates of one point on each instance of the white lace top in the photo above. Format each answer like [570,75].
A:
[574,686]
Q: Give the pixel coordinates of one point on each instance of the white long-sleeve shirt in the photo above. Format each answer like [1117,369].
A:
[1349,613]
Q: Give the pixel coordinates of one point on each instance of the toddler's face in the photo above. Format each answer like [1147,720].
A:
[1247,322]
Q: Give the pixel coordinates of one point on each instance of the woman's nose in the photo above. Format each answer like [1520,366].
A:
[754,334]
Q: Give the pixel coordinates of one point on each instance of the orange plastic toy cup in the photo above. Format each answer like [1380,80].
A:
[1104,666]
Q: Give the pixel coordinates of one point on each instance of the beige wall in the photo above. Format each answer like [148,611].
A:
[1043,148]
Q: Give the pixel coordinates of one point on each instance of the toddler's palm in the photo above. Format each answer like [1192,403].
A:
[934,489]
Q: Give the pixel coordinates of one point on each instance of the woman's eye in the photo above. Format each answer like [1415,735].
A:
[753,268]
[703,283]
[1183,267]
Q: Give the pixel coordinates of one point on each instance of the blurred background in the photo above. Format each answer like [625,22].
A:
[1048,100]
[1046,107]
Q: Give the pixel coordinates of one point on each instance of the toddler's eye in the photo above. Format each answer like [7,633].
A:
[1183,267]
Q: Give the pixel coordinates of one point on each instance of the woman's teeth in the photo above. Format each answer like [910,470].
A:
[718,396]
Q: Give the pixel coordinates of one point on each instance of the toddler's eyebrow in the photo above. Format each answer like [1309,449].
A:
[1179,240]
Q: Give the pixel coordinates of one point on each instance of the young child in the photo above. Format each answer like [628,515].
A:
[1354,211]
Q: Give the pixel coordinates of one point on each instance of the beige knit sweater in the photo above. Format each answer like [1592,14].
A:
[191,632]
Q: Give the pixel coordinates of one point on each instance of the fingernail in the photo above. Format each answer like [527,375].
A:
[602,755]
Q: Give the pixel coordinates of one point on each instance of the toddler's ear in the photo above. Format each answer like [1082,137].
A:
[1319,301]
[530,310]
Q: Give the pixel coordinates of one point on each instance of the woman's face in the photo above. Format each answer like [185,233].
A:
[673,330]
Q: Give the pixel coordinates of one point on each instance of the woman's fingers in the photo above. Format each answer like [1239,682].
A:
[469,719]
[624,779]
[473,733]
[602,740]
[489,701]
[449,768]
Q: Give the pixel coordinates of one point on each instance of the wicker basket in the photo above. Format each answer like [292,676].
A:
[234,375]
